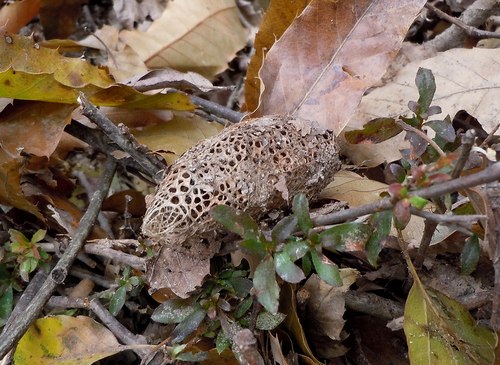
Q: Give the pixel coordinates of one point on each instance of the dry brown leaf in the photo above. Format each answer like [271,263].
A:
[278,17]
[15,15]
[183,37]
[330,55]
[466,79]
[64,24]
[353,188]
[33,127]
[180,272]
[326,305]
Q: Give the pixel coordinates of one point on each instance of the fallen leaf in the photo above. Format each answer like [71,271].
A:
[29,71]
[177,135]
[184,46]
[440,330]
[353,188]
[33,127]
[326,305]
[475,88]
[64,24]
[15,15]
[65,340]
[277,18]
[330,55]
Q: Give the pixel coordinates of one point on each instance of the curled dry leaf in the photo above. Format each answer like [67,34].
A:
[328,57]
[184,46]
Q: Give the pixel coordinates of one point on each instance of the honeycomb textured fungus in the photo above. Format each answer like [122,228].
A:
[255,166]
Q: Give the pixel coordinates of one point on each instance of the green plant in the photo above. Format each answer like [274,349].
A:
[127,285]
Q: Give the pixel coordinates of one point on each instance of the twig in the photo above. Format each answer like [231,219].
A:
[471,31]
[119,330]
[218,110]
[429,228]
[422,135]
[123,139]
[99,280]
[373,304]
[487,175]
[467,142]
[59,272]
[138,263]
[97,139]
[491,135]
[464,220]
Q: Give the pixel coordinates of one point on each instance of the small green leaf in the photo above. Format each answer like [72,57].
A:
[300,207]
[19,237]
[267,321]
[286,269]
[418,202]
[117,300]
[296,250]
[222,342]
[254,246]
[352,235]
[173,311]
[284,229]
[38,236]
[243,307]
[264,282]
[470,255]
[381,223]
[188,325]
[240,285]
[6,304]
[192,357]
[426,85]
[327,270]
[307,264]
[235,221]
[28,265]
[375,131]
[443,129]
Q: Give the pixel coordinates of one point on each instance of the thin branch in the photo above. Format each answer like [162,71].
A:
[59,272]
[429,229]
[467,142]
[123,139]
[138,263]
[218,110]
[487,175]
[119,330]
[422,135]
[471,31]
[464,220]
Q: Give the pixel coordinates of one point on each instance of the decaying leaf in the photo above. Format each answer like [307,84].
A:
[277,18]
[184,46]
[326,304]
[66,340]
[330,55]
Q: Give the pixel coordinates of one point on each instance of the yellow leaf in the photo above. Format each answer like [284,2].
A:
[65,340]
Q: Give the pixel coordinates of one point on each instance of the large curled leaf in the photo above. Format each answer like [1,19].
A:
[184,46]
[65,340]
[330,55]
[267,289]
[439,330]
